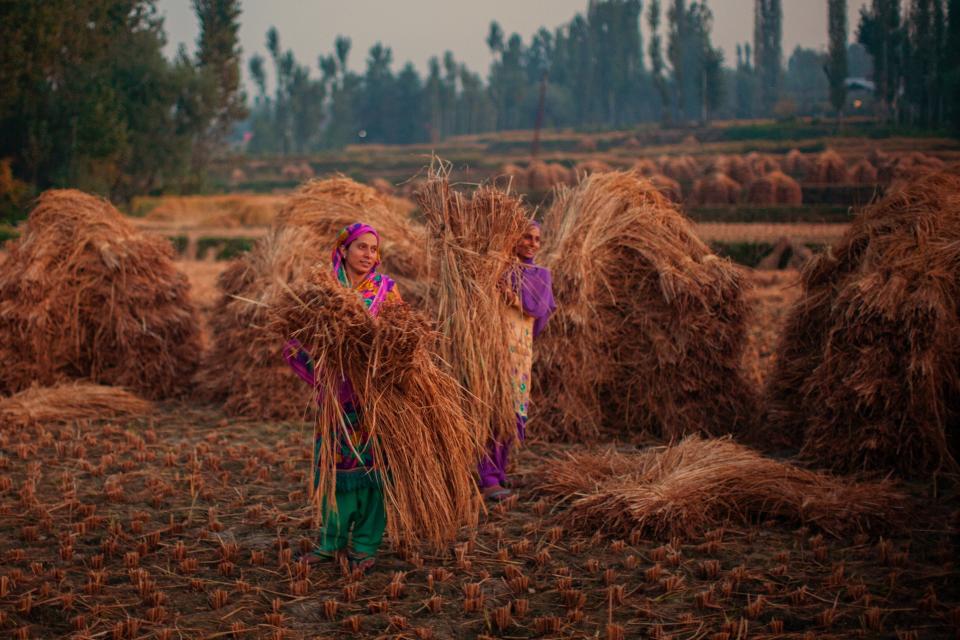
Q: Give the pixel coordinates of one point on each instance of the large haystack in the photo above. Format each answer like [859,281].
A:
[717,189]
[541,176]
[651,324]
[588,167]
[244,370]
[775,188]
[868,370]
[696,485]
[735,167]
[84,295]
[829,169]
[762,164]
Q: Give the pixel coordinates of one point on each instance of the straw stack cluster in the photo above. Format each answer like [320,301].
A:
[409,406]
[867,373]
[84,295]
[244,369]
[775,188]
[650,330]
[716,189]
[699,484]
[472,240]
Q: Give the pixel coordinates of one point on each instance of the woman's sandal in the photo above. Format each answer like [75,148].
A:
[496,493]
[361,562]
[316,556]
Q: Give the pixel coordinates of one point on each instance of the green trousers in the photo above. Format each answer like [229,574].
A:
[360,515]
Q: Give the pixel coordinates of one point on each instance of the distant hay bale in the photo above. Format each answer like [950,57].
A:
[700,484]
[797,164]
[69,402]
[775,188]
[306,171]
[85,295]
[863,173]
[587,145]
[588,167]
[867,373]
[762,164]
[651,321]
[542,176]
[717,189]
[255,382]
[382,186]
[238,175]
[290,172]
[829,168]
[241,209]
[669,187]
[645,167]
[736,167]
[681,169]
[516,173]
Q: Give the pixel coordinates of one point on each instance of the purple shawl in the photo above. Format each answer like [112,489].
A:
[534,285]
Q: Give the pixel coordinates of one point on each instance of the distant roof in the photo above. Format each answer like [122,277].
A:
[860,83]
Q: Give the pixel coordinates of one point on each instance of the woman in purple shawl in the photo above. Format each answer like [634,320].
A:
[529,296]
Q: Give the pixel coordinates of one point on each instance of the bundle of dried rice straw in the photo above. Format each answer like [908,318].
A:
[408,404]
[67,403]
[699,484]
[651,325]
[867,373]
[84,295]
[472,241]
[244,369]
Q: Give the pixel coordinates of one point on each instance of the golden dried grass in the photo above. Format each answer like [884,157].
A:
[699,484]
[829,168]
[472,240]
[84,295]
[651,324]
[867,372]
[775,188]
[233,210]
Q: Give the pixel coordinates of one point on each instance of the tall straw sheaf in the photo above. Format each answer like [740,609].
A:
[408,404]
[867,373]
[244,369]
[472,240]
[651,325]
[84,295]
[699,484]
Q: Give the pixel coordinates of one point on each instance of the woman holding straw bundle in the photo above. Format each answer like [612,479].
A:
[528,292]
[356,522]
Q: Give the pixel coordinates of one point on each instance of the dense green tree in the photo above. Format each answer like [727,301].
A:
[881,33]
[768,51]
[836,65]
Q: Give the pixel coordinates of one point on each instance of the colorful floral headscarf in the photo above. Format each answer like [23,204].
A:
[375,286]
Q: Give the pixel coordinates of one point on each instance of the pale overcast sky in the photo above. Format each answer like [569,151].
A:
[418,29]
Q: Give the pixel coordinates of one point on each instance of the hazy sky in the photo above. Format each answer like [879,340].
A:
[418,29]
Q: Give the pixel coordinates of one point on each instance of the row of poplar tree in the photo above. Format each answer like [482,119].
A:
[88,99]
[597,71]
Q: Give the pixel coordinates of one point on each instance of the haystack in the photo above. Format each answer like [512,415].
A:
[867,372]
[697,485]
[410,407]
[736,167]
[541,176]
[762,164]
[515,173]
[645,167]
[473,240]
[84,295]
[244,370]
[681,169]
[775,188]
[650,322]
[588,167]
[863,173]
[717,189]
[797,164]
[829,169]
[669,187]
[383,186]
[67,403]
